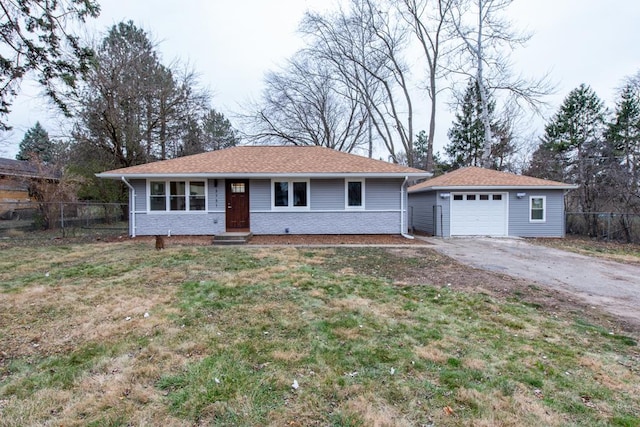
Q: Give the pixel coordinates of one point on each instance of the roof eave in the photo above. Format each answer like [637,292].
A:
[493,187]
[264,175]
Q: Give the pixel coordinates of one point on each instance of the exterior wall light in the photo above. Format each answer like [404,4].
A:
[445,195]
[520,195]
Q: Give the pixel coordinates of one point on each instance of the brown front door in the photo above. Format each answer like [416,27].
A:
[237,205]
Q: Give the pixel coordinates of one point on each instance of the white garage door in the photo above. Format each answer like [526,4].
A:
[479,214]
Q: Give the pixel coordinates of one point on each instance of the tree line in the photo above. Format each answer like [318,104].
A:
[365,68]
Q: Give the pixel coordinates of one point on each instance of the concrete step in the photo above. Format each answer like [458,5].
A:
[232,238]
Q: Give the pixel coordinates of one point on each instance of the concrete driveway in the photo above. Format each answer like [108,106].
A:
[608,285]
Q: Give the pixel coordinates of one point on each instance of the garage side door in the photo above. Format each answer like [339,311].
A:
[479,214]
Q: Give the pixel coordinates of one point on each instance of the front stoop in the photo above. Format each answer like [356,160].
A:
[232,238]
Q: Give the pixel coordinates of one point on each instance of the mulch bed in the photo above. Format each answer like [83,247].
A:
[295,240]
[340,239]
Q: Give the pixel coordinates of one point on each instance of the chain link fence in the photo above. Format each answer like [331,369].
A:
[33,220]
[609,226]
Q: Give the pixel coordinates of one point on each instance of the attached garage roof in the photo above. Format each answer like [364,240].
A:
[266,161]
[474,178]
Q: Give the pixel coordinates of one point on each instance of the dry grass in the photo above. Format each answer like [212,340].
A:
[615,251]
[119,334]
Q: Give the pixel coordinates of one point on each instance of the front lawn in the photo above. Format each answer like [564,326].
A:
[120,334]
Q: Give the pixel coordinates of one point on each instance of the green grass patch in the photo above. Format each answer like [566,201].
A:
[53,372]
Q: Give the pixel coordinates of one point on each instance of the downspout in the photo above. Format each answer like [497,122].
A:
[132,211]
[402,229]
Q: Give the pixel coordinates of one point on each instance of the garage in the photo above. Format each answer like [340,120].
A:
[479,214]
[474,201]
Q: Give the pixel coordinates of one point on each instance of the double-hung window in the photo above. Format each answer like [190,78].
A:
[354,194]
[290,194]
[196,196]
[158,196]
[537,208]
[177,196]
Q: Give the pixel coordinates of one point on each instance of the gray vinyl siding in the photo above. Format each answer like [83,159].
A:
[424,208]
[382,194]
[420,212]
[260,195]
[445,214]
[519,224]
[140,186]
[215,195]
[327,194]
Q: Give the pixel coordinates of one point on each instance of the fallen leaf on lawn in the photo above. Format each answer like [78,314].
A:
[448,410]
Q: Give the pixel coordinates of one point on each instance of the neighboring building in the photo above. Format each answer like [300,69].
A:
[268,190]
[474,201]
[15,179]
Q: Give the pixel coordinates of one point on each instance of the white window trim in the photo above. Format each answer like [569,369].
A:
[346,195]
[290,206]
[167,196]
[544,208]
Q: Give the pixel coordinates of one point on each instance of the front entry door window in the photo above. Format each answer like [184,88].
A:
[237,216]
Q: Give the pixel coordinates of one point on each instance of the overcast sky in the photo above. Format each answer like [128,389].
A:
[233,43]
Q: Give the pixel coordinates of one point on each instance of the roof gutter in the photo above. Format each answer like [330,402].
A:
[402,209]
[263,175]
[132,209]
[465,188]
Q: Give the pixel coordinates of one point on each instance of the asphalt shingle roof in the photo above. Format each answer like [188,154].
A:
[24,169]
[276,160]
[474,177]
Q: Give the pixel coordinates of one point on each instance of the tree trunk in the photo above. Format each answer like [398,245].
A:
[482,90]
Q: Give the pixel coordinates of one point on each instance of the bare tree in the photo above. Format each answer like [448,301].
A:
[51,189]
[365,44]
[304,104]
[430,21]
[485,38]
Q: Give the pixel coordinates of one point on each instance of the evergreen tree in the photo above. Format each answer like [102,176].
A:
[37,38]
[421,151]
[211,132]
[545,164]
[579,121]
[192,142]
[217,131]
[575,135]
[624,131]
[468,136]
[623,157]
[36,145]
